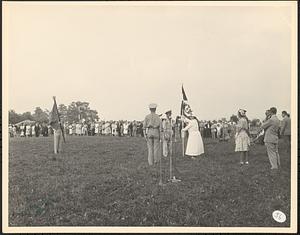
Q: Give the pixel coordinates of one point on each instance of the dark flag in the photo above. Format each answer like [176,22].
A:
[185,107]
[54,119]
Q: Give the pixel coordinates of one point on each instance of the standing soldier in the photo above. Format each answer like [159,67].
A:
[167,134]
[57,136]
[151,130]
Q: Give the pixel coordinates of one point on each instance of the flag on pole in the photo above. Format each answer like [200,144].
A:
[185,107]
[54,119]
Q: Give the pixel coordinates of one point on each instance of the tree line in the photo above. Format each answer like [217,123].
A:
[74,112]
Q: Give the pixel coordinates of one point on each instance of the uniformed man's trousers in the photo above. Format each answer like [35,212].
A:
[167,147]
[57,141]
[153,150]
[273,155]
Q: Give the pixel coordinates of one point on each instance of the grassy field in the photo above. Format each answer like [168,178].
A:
[106,181]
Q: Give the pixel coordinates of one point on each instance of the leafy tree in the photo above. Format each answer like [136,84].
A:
[63,111]
[14,117]
[27,116]
[81,110]
[40,116]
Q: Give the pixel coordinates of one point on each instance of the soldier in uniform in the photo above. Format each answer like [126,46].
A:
[167,133]
[57,133]
[151,130]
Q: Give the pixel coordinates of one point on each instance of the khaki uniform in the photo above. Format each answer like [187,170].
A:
[152,126]
[167,133]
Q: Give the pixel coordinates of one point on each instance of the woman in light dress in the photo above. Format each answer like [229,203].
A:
[242,139]
[28,130]
[33,130]
[125,131]
[22,128]
[114,129]
[78,129]
[107,128]
[194,143]
[70,129]
[97,128]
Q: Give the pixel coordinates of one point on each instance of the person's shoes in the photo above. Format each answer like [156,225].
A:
[247,163]
[241,163]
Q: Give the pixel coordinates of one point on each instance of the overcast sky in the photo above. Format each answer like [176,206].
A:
[121,58]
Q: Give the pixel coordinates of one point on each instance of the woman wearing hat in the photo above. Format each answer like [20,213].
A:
[242,139]
[194,142]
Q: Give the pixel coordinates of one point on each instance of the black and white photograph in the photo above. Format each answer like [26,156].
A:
[143,116]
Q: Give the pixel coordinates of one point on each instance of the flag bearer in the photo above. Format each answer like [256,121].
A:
[55,123]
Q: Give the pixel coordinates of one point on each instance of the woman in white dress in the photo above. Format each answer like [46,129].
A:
[32,130]
[70,129]
[28,130]
[242,139]
[194,143]
[22,128]
[97,128]
[125,132]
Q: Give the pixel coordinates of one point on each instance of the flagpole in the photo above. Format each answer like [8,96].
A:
[63,134]
[182,137]
[160,165]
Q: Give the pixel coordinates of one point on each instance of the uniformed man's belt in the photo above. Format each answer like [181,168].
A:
[150,127]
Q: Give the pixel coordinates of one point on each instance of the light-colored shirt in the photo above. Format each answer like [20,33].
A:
[271,127]
[152,125]
[167,129]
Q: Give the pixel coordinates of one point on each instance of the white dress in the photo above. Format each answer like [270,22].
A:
[194,144]
[96,128]
[32,131]
[242,140]
[125,132]
[70,130]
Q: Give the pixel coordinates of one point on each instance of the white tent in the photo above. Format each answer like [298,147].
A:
[25,122]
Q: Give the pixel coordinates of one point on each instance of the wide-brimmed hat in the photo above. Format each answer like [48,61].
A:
[169,111]
[242,112]
[163,116]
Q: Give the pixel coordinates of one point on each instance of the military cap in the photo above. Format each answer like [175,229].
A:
[152,106]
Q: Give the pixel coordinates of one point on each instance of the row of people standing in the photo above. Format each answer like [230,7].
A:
[30,130]
[221,130]
[113,128]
